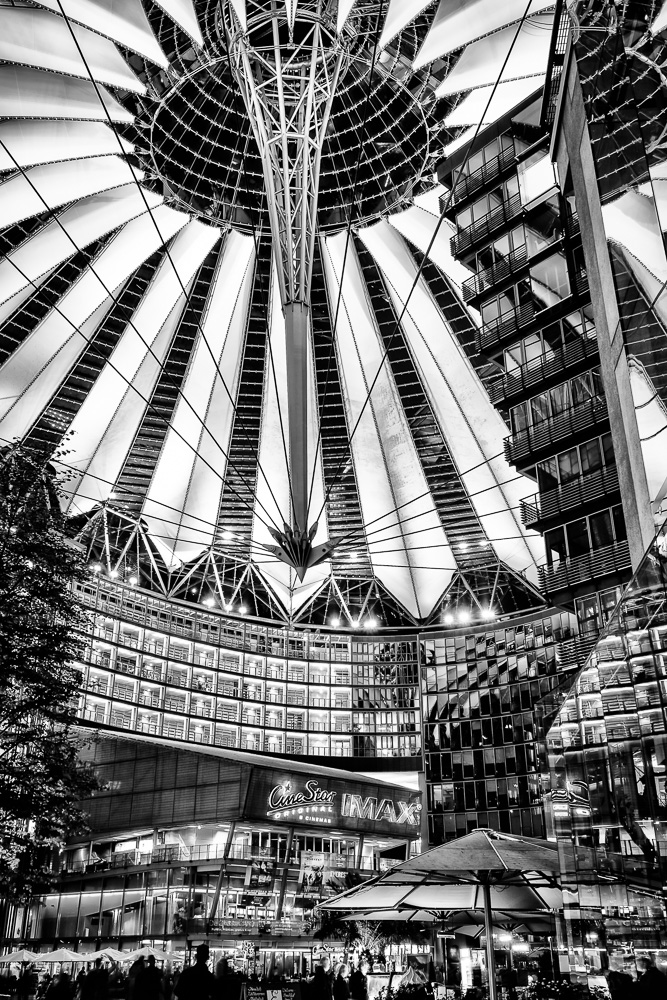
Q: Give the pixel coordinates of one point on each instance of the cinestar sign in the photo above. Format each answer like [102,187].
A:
[378,810]
[284,801]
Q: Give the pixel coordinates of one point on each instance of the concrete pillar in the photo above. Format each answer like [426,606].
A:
[573,153]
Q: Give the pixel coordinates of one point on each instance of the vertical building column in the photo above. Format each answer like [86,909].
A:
[283,884]
[360,850]
[572,150]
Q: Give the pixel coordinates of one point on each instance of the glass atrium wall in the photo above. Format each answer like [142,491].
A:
[608,764]
[162,668]
[482,735]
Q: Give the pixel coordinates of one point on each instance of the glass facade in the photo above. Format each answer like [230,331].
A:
[168,669]
[608,771]
[482,735]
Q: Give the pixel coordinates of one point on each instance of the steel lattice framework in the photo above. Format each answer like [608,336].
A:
[287,73]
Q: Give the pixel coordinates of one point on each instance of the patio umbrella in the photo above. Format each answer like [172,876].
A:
[483,870]
[160,956]
[62,955]
[18,957]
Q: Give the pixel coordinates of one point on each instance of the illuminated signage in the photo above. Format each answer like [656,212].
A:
[310,802]
[358,807]
[313,802]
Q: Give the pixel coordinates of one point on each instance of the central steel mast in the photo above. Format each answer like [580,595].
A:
[287,63]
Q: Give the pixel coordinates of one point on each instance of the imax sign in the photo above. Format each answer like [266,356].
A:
[358,807]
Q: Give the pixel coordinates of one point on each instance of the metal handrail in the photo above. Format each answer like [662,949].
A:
[540,370]
[591,566]
[571,421]
[483,175]
[477,230]
[586,489]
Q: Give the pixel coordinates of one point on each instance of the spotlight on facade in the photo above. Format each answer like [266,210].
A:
[228,536]
[96,568]
[335,621]
[488,613]
[353,556]
[113,574]
[243,610]
[448,619]
[208,602]
[133,581]
[371,623]
[464,616]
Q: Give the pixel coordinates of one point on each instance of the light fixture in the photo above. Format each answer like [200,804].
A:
[208,602]
[113,574]
[96,568]
[228,536]
[464,616]
[354,556]
[371,623]
[448,619]
[488,613]
[133,581]
[335,622]
[243,610]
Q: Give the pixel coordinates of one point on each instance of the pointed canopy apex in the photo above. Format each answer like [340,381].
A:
[16,957]
[485,851]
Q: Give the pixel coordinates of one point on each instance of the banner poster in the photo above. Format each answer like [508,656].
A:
[311,876]
[259,878]
[320,875]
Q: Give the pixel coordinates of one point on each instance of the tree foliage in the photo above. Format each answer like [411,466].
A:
[41,622]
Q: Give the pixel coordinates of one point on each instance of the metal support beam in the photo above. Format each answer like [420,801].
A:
[296,334]
[288,79]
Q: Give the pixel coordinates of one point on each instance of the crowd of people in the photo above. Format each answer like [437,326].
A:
[144,981]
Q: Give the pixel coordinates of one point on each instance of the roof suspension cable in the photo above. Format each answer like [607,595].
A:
[123,308]
[91,344]
[431,242]
[348,234]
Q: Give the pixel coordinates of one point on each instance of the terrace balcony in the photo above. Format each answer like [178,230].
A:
[608,561]
[572,423]
[577,494]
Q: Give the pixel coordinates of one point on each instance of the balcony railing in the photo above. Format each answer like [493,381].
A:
[485,174]
[577,493]
[543,369]
[576,420]
[592,566]
[488,224]
[481,282]
[575,652]
[494,334]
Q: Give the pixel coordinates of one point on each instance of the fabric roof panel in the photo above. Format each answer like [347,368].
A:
[459,22]
[123,21]
[36,37]
[27,143]
[204,401]
[32,93]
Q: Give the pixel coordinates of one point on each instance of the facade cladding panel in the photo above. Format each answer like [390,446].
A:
[607,753]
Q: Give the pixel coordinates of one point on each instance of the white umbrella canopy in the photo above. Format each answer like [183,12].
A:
[418,893]
[18,956]
[158,955]
[62,955]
